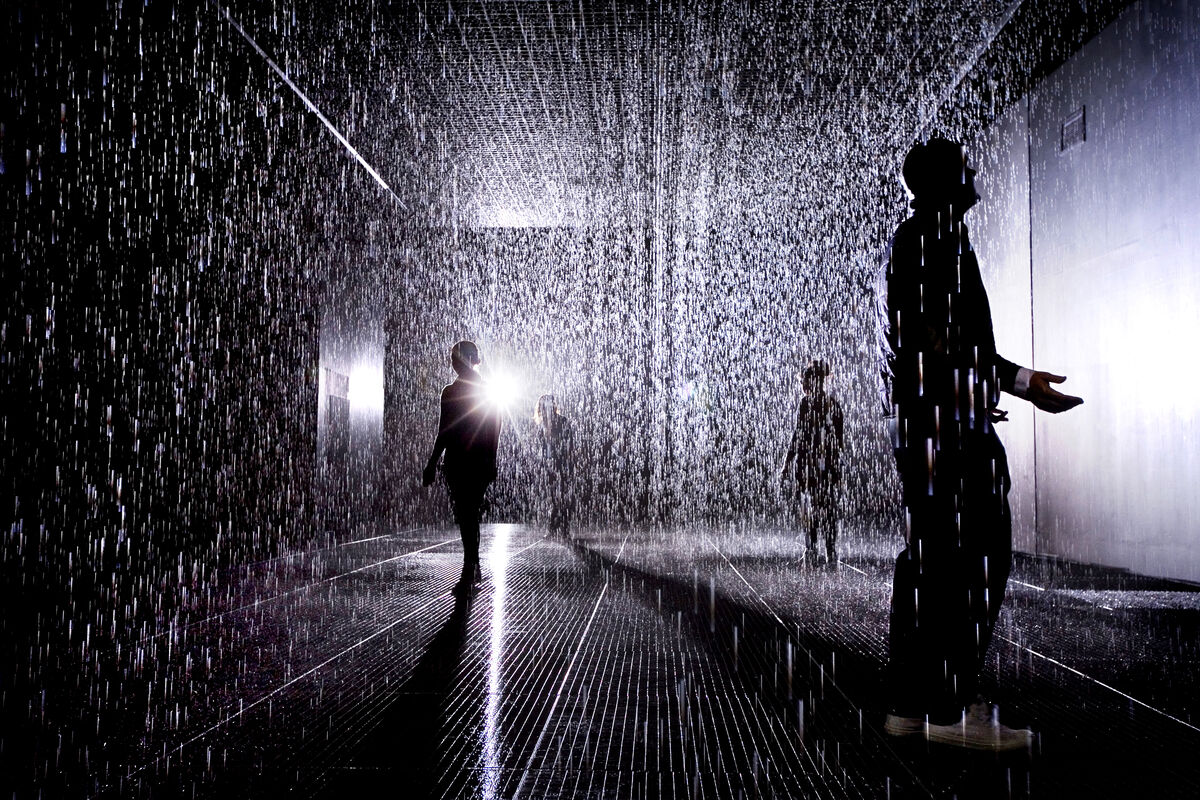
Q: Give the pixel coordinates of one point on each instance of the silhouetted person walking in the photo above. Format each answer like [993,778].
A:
[468,433]
[816,449]
[946,381]
[555,435]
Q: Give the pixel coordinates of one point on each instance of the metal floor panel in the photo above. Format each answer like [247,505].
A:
[625,664]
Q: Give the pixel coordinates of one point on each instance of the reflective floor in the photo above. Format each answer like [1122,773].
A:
[699,663]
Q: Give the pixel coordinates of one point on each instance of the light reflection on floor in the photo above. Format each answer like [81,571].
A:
[497,567]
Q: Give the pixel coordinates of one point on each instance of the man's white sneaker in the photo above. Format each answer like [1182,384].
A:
[979,730]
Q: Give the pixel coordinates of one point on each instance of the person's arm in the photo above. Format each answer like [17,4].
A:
[914,343]
[1032,385]
[439,445]
[1028,384]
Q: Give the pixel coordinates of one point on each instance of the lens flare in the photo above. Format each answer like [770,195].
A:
[502,390]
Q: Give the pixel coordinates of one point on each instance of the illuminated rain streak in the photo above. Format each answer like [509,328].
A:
[308,103]
[675,233]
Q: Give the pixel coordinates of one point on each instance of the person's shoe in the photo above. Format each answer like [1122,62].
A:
[896,725]
[978,729]
[468,579]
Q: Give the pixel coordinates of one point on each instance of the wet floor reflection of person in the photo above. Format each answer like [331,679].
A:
[816,450]
[946,381]
[555,436]
[468,434]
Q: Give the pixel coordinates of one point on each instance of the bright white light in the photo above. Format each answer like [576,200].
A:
[550,204]
[502,390]
[366,389]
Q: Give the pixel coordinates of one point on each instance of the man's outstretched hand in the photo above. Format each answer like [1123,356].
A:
[1046,397]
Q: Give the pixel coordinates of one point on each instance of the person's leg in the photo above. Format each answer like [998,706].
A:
[827,518]
[808,489]
[470,538]
[903,666]
[558,522]
[985,563]
[920,676]
[810,528]
[566,496]
[467,497]
[982,565]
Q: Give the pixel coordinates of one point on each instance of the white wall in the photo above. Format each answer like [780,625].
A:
[999,229]
[1114,243]
[1116,295]
[352,344]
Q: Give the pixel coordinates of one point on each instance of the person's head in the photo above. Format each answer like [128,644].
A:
[464,357]
[545,409]
[814,376]
[937,175]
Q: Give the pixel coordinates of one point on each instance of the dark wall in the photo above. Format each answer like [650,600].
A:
[165,209]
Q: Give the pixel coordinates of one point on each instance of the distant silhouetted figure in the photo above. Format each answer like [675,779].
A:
[816,449]
[468,433]
[946,382]
[556,436]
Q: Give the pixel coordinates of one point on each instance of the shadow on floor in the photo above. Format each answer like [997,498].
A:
[832,696]
[399,757]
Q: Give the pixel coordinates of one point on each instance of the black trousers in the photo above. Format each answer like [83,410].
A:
[560,491]
[466,496]
[950,579]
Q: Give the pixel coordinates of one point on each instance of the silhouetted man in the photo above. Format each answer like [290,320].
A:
[817,449]
[947,378]
[468,433]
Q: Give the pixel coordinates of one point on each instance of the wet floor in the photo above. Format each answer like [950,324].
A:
[623,664]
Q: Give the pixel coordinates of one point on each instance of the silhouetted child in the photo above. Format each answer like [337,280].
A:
[816,449]
[468,433]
